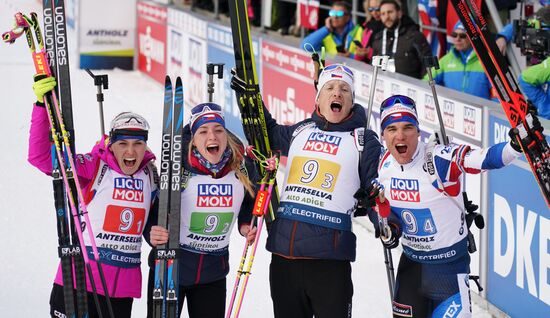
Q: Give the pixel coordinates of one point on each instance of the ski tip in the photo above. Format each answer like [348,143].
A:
[178,81]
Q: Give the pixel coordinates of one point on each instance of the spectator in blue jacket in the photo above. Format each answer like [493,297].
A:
[460,68]
[506,35]
[339,33]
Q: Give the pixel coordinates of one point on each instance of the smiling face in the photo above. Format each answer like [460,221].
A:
[211,141]
[335,101]
[129,154]
[401,140]
[389,15]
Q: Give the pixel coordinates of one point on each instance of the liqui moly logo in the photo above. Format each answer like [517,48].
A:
[215,195]
[405,190]
[128,189]
[319,142]
[429,107]
[469,121]
[449,114]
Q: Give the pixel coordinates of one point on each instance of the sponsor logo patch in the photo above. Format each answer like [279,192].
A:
[215,195]
[405,190]
[319,142]
[128,189]
[402,310]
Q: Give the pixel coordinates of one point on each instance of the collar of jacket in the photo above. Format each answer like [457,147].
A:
[356,119]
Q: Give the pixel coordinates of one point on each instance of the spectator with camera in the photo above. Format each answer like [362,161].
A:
[339,35]
[372,26]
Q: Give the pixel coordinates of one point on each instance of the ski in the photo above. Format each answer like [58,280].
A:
[50,46]
[63,161]
[166,281]
[250,100]
[56,45]
[529,133]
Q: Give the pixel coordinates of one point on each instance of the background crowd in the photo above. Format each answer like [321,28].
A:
[392,27]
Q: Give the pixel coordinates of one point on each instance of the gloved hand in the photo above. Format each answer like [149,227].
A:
[394,233]
[42,85]
[513,133]
[238,84]
[366,198]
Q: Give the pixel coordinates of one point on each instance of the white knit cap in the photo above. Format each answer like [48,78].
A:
[338,72]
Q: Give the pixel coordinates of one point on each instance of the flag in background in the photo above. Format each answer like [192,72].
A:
[308,12]
[427,11]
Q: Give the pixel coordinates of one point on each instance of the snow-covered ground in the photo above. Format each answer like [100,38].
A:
[28,238]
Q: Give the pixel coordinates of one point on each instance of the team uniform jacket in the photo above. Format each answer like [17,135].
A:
[425,195]
[119,207]
[210,207]
[314,216]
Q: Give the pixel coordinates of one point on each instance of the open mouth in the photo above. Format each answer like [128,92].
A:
[336,107]
[213,149]
[401,148]
[129,162]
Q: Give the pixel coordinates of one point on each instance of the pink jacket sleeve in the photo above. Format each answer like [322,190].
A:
[40,148]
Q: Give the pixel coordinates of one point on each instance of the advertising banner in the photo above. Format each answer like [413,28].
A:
[287,83]
[152,24]
[519,238]
[220,50]
[187,54]
[109,41]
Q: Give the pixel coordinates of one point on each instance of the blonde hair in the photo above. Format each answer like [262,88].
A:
[235,162]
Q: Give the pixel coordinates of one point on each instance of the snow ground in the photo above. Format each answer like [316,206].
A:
[27,223]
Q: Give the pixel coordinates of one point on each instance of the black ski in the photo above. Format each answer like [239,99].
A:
[166,282]
[528,129]
[250,99]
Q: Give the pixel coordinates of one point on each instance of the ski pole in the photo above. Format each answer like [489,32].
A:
[42,67]
[383,209]
[101,82]
[261,206]
[378,61]
[429,62]
[213,69]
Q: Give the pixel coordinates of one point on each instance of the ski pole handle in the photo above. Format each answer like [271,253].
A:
[378,61]
[213,69]
[429,62]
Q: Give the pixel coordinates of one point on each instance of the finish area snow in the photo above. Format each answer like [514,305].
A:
[28,238]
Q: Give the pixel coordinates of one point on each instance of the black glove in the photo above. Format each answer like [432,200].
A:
[394,234]
[365,200]
[238,84]
[514,135]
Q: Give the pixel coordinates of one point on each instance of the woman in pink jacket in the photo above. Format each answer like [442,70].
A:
[117,180]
